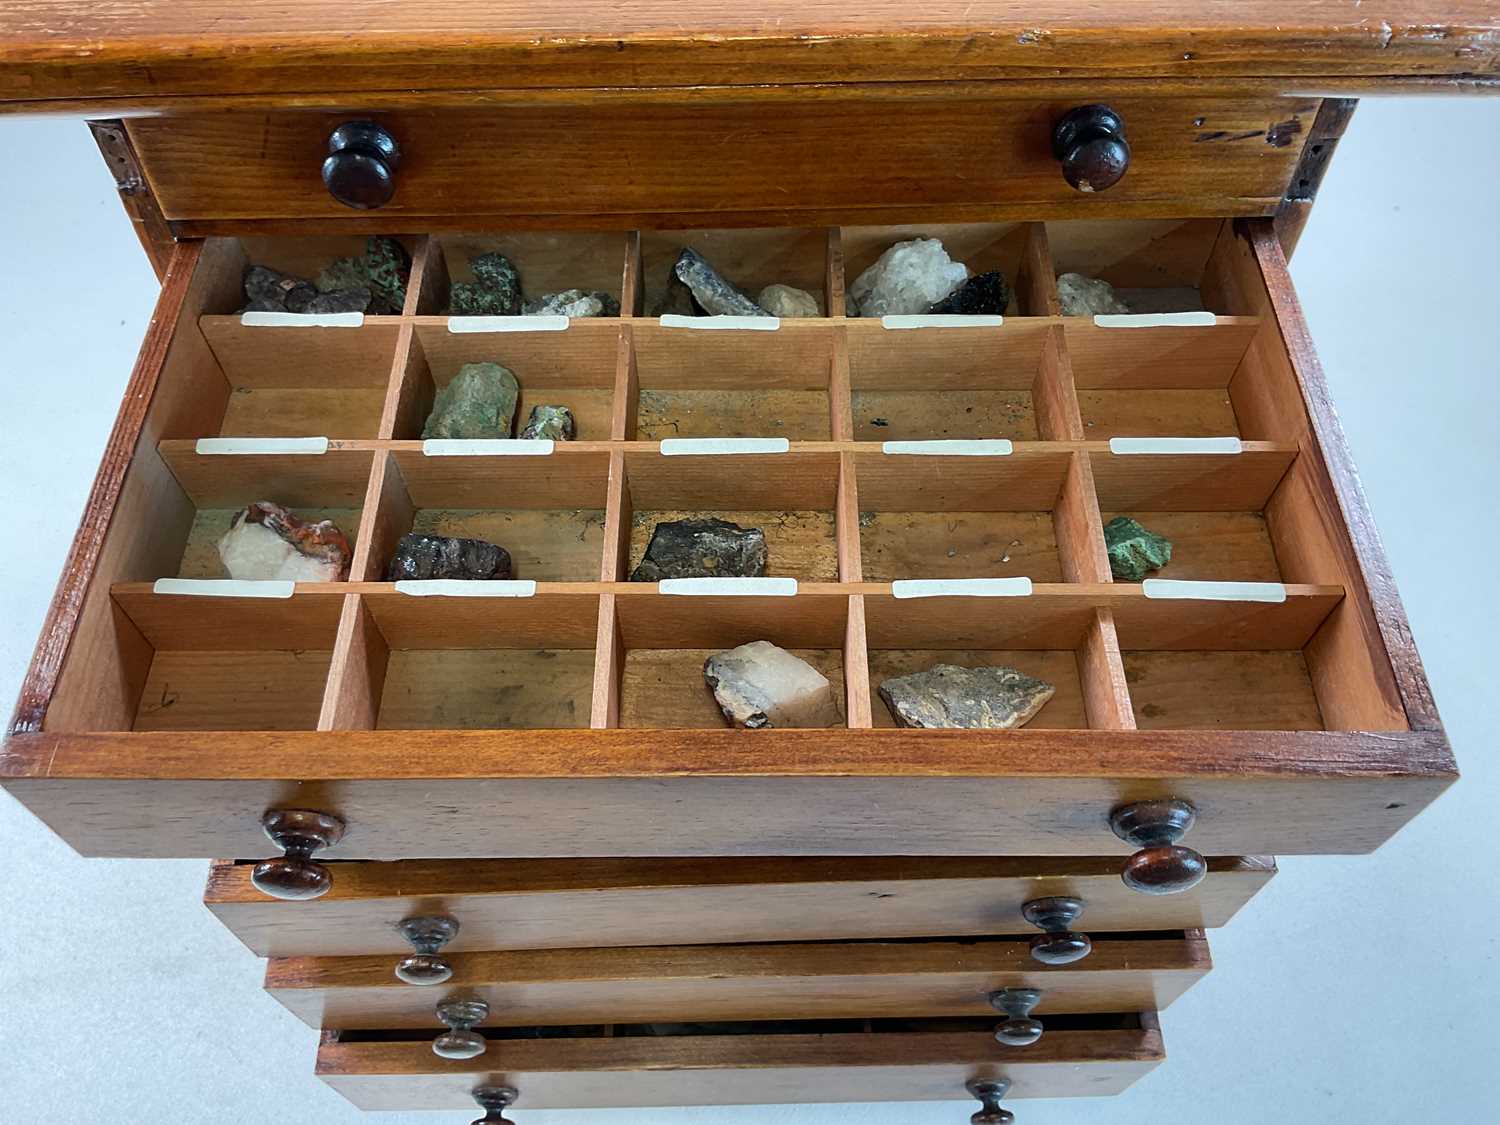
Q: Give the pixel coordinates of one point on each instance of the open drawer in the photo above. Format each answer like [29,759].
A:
[624,1065]
[1289,715]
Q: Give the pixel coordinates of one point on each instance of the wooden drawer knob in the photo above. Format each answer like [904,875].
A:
[298,833]
[1089,142]
[493,1100]
[461,1041]
[1019,1029]
[427,934]
[1161,867]
[1057,944]
[360,170]
[989,1091]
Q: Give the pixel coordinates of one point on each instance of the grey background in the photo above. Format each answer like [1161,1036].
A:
[1361,988]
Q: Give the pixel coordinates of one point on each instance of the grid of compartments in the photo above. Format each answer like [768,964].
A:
[852,518]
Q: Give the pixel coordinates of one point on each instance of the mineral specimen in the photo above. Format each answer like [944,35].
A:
[1133,551]
[759,685]
[382,270]
[676,300]
[338,301]
[267,542]
[495,290]
[788,301]
[554,422]
[982,294]
[263,284]
[437,556]
[1085,296]
[909,278]
[946,695]
[712,292]
[480,402]
[702,548]
[573,302]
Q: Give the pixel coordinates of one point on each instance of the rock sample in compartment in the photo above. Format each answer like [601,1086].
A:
[948,696]
[1087,296]
[788,301]
[382,271]
[760,685]
[715,295]
[549,422]
[908,279]
[480,402]
[268,290]
[495,290]
[1133,550]
[337,301]
[984,294]
[702,548]
[265,542]
[573,302]
[439,556]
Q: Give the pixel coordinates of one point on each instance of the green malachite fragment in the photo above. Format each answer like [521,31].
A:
[1133,550]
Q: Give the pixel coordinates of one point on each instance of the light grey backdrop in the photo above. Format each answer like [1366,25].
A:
[1359,988]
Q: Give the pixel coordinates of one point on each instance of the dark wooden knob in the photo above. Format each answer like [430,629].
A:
[1019,1030]
[989,1091]
[427,934]
[360,170]
[299,833]
[1057,944]
[461,1041]
[1161,867]
[493,1100]
[1089,142]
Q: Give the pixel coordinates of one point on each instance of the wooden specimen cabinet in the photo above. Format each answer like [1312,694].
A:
[519,815]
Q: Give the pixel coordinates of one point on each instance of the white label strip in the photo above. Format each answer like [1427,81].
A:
[463,324]
[992,447]
[962,588]
[465,588]
[1155,320]
[685,447]
[222,588]
[1214,591]
[1175,445]
[751,323]
[251,445]
[942,320]
[738,587]
[487,447]
[302,320]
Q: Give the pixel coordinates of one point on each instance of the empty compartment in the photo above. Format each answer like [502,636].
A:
[199,494]
[1017,250]
[789,496]
[941,517]
[547,262]
[574,368]
[449,663]
[298,257]
[698,384]
[195,663]
[546,511]
[663,640]
[749,260]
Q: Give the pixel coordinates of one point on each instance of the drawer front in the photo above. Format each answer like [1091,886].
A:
[834,1063]
[743,982]
[546,904]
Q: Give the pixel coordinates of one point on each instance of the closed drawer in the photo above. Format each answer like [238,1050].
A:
[831,980]
[617,1066]
[554,904]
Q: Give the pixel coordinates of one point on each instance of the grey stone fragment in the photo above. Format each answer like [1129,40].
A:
[382,269]
[949,696]
[495,290]
[702,548]
[676,300]
[299,297]
[554,422]
[268,287]
[717,296]
[339,301]
[1087,296]
[1133,550]
[788,301]
[439,556]
[480,402]
[758,685]
[573,302]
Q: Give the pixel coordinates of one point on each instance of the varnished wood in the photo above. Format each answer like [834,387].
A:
[1328,128]
[136,196]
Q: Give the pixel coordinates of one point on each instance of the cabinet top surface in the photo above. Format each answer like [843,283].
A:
[56,55]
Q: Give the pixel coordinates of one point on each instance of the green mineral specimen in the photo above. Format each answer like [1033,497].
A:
[1134,551]
[382,269]
[480,402]
[495,290]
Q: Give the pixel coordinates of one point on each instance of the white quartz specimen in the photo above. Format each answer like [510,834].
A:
[759,685]
[787,301]
[266,543]
[1086,296]
[907,280]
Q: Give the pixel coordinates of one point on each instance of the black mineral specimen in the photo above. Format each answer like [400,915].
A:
[703,548]
[982,294]
[437,556]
